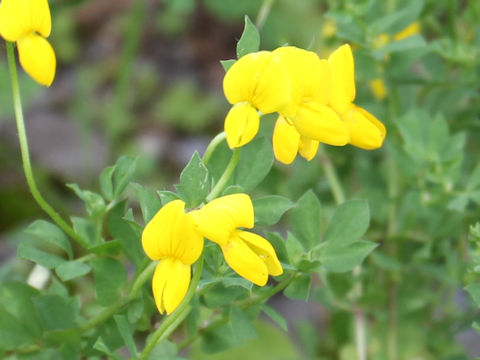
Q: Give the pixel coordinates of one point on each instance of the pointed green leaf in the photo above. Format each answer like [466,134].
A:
[72,269]
[305,220]
[194,182]
[269,209]
[299,289]
[345,258]
[106,182]
[275,316]
[250,40]
[94,203]
[29,252]
[349,223]
[56,313]
[149,202]
[52,234]
[126,331]
[474,291]
[227,64]
[124,171]
[110,278]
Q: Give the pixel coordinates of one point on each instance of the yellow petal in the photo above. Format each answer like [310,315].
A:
[241,124]
[412,29]
[260,79]
[244,261]
[264,250]
[218,219]
[309,76]
[170,284]
[343,78]
[366,131]
[379,89]
[172,233]
[308,148]
[22,17]
[285,141]
[37,58]
[320,123]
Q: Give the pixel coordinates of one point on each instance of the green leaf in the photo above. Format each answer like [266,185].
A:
[124,171]
[294,248]
[52,234]
[256,160]
[474,179]
[409,43]
[149,202]
[101,346]
[305,220]
[275,316]
[349,223]
[126,330]
[106,182]
[72,269]
[241,325]
[194,182]
[135,310]
[250,40]
[278,244]
[94,203]
[127,233]
[110,278]
[399,19]
[167,196]
[19,322]
[299,289]
[227,64]
[27,251]
[474,291]
[85,229]
[345,258]
[269,209]
[56,313]
[111,248]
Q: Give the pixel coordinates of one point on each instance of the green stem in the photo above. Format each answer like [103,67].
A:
[212,146]
[27,166]
[332,178]
[132,292]
[263,13]
[175,319]
[227,174]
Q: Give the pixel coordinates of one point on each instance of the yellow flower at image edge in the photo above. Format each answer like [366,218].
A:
[171,238]
[248,254]
[28,23]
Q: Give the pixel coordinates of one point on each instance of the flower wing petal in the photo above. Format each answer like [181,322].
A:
[308,148]
[319,122]
[37,58]
[218,219]
[244,261]
[343,78]
[264,250]
[285,141]
[241,124]
[366,131]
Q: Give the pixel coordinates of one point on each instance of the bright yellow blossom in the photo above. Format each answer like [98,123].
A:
[308,112]
[28,23]
[249,254]
[171,238]
[378,88]
[366,131]
[412,29]
[256,82]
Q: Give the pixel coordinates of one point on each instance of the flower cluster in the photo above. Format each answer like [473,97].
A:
[313,97]
[28,23]
[175,238]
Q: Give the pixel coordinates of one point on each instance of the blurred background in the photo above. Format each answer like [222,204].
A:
[144,78]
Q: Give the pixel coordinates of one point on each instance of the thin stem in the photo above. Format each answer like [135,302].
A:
[332,178]
[263,13]
[227,174]
[212,146]
[23,140]
[175,319]
[132,291]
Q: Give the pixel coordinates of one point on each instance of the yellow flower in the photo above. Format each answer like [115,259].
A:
[412,29]
[28,23]
[249,254]
[366,131]
[172,238]
[256,82]
[306,120]
[378,88]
